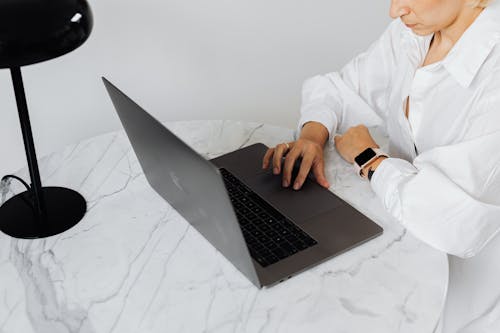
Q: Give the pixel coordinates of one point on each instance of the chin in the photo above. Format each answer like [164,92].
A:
[422,32]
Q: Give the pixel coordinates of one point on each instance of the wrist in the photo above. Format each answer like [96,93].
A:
[315,132]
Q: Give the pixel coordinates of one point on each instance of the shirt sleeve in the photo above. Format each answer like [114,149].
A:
[449,197]
[357,94]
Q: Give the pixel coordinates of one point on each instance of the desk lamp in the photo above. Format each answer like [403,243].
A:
[32,31]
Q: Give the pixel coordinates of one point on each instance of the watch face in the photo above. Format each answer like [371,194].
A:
[365,156]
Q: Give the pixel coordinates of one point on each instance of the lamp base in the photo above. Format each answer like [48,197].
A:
[64,207]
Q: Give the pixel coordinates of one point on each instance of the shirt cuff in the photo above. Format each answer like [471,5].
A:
[322,115]
[386,180]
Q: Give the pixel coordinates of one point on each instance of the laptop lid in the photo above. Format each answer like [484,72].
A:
[186,180]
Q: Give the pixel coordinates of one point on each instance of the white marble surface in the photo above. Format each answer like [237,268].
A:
[134,265]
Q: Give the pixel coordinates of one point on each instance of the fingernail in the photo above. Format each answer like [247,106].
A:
[276,171]
[285,183]
[296,186]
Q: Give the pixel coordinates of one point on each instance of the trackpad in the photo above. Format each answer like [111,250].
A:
[309,201]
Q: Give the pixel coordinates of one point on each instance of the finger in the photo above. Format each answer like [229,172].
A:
[305,167]
[290,160]
[267,157]
[319,173]
[278,154]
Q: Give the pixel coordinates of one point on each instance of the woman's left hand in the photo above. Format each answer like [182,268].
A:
[354,142]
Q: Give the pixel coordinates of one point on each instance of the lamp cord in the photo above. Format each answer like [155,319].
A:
[4,178]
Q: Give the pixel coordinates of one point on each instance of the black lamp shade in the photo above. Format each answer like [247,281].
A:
[33,31]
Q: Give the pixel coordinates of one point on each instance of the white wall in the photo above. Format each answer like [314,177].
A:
[187,59]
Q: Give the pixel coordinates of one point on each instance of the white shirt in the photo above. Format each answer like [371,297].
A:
[442,181]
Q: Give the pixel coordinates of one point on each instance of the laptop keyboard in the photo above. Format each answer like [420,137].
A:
[269,235]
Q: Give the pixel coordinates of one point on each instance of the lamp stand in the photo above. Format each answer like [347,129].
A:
[41,211]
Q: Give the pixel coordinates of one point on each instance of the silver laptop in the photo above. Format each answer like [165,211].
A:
[269,233]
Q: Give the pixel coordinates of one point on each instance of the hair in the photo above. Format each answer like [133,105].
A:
[480,3]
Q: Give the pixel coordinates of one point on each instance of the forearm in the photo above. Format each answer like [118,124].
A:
[435,208]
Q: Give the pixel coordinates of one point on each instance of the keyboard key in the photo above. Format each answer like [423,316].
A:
[285,232]
[256,210]
[273,234]
[261,260]
[264,227]
[280,253]
[251,228]
[270,244]
[279,239]
[301,246]
[271,259]
[264,239]
[264,215]
[256,233]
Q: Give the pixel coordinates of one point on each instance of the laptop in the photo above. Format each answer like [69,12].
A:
[269,233]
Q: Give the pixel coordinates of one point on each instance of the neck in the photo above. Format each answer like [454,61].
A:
[449,35]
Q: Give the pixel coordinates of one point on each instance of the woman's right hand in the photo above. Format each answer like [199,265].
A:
[311,153]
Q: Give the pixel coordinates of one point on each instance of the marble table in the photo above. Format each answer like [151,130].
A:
[134,265]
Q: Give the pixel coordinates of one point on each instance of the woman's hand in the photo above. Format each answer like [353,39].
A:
[354,142]
[311,153]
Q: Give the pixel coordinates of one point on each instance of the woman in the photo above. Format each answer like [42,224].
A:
[433,81]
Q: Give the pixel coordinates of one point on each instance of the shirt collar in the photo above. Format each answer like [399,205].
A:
[469,53]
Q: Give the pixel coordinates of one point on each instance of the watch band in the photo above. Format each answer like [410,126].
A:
[366,157]
[370,174]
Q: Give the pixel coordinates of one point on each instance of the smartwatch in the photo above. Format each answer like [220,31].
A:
[365,158]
